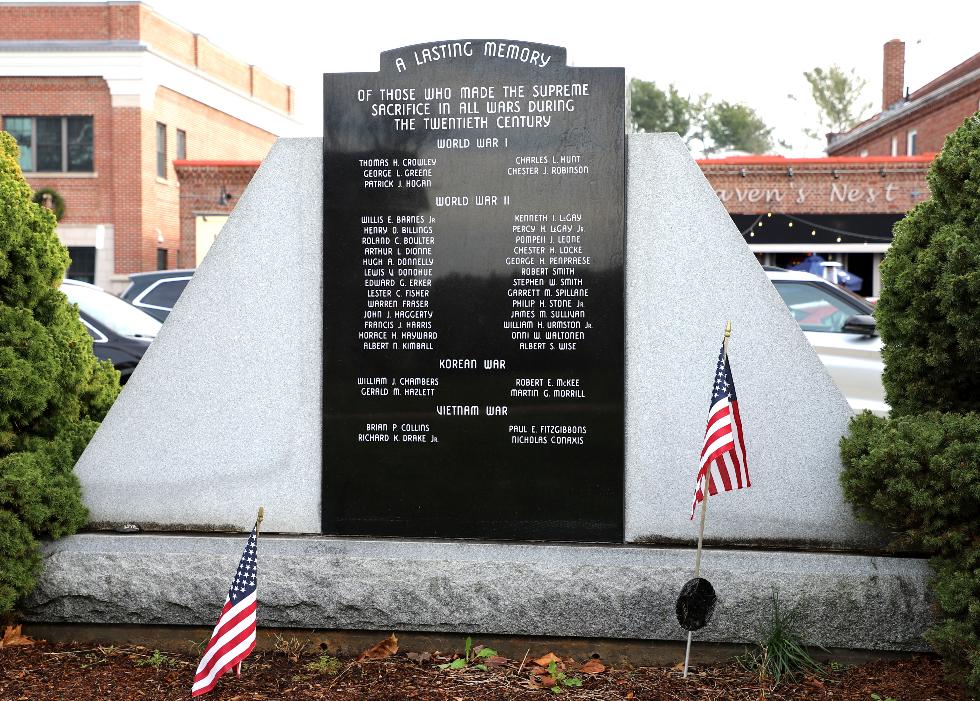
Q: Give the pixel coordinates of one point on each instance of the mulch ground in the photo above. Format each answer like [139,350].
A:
[75,672]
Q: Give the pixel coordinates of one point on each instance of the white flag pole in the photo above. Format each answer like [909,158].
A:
[704,511]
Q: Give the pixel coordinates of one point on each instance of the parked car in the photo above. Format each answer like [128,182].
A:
[120,332]
[157,291]
[840,327]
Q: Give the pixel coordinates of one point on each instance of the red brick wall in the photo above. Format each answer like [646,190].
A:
[211,135]
[893,75]
[200,192]
[859,188]
[127,187]
[88,197]
[102,22]
[165,37]
[933,126]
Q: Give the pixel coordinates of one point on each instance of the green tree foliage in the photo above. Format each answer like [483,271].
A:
[837,95]
[655,110]
[53,391]
[918,471]
[718,127]
[735,127]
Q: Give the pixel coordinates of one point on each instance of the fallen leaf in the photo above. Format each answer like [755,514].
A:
[497,661]
[593,667]
[12,636]
[386,648]
[629,695]
[547,659]
[419,657]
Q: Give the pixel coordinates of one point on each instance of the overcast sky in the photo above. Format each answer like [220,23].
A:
[751,52]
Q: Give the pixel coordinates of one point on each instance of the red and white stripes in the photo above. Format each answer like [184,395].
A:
[231,642]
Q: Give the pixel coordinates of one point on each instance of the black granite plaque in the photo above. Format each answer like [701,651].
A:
[473,295]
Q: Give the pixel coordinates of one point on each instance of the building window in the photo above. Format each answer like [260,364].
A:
[181,145]
[912,143]
[864,153]
[161,259]
[894,145]
[161,150]
[82,263]
[53,144]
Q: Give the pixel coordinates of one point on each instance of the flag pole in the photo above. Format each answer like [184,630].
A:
[704,511]
[258,524]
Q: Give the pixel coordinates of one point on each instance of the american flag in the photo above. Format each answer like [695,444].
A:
[233,638]
[723,453]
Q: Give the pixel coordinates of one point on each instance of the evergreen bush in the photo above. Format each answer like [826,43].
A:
[917,472]
[53,390]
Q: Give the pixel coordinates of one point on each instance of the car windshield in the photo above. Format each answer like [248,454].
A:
[112,312]
[815,307]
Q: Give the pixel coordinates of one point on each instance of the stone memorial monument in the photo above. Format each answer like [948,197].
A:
[473,295]
[429,396]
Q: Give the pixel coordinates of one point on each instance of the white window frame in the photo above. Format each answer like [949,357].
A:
[911,142]
[894,145]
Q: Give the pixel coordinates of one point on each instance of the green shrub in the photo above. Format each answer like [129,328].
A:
[929,311]
[918,471]
[53,391]
[916,475]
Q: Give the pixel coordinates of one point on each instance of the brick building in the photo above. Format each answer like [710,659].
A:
[843,207]
[103,99]
[917,122]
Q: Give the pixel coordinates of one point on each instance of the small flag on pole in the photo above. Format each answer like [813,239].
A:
[723,453]
[233,638]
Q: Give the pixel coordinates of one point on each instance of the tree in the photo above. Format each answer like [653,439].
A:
[917,472]
[53,390]
[735,127]
[654,110]
[721,126]
[836,94]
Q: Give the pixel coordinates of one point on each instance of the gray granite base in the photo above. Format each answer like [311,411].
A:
[845,601]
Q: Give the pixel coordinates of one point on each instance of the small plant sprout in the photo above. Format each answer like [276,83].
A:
[561,679]
[470,657]
[325,664]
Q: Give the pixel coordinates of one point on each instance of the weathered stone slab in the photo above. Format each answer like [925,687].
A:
[223,412]
[849,601]
[688,271]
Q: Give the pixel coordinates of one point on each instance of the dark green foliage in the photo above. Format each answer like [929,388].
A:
[53,391]
[918,471]
[917,475]
[929,311]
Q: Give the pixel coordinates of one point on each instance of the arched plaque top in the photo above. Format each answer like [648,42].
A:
[436,55]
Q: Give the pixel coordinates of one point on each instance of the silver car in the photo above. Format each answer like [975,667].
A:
[840,327]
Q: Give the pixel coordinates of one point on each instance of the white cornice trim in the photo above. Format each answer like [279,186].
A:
[133,76]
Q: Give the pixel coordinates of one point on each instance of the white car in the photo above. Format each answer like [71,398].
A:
[841,328]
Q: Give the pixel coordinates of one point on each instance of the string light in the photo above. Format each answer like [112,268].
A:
[840,233]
